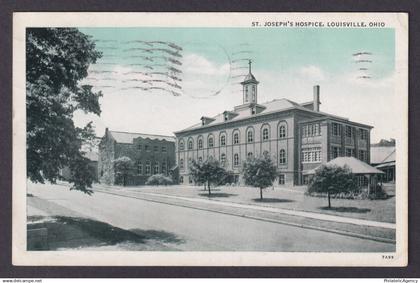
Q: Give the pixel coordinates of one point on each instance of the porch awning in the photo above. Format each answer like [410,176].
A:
[356,166]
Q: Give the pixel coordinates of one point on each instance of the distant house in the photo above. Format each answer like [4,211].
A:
[151,154]
[383,158]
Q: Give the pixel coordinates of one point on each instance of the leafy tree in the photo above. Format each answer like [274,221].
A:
[208,172]
[332,180]
[123,167]
[259,172]
[57,59]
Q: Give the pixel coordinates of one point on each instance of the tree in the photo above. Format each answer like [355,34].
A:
[208,172]
[332,180]
[57,60]
[123,167]
[259,172]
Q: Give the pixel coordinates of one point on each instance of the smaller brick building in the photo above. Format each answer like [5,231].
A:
[151,154]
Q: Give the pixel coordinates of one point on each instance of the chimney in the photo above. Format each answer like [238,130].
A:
[316,98]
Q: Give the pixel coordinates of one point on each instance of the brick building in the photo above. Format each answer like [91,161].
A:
[298,136]
[151,154]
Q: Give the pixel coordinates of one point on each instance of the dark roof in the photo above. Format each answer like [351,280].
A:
[125,137]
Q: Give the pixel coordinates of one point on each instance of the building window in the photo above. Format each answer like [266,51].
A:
[200,143]
[336,129]
[181,164]
[211,142]
[349,152]
[349,131]
[200,160]
[223,159]
[311,155]
[181,179]
[223,140]
[335,152]
[249,155]
[139,146]
[281,179]
[311,130]
[190,144]
[164,168]
[265,134]
[265,153]
[363,134]
[164,149]
[282,156]
[156,168]
[189,162]
[181,145]
[139,167]
[250,136]
[148,168]
[282,132]
[155,148]
[236,138]
[236,159]
[146,148]
[362,155]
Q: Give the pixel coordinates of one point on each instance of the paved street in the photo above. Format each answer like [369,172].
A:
[195,229]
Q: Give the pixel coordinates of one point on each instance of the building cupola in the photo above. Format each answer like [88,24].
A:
[249,87]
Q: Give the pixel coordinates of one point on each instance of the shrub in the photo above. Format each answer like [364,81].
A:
[159,180]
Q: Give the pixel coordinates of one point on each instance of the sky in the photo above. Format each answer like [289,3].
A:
[162,80]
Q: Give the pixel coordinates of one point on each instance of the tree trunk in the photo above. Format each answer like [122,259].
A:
[261,194]
[329,200]
[208,185]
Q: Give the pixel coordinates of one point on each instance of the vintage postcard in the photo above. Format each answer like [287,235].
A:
[210,139]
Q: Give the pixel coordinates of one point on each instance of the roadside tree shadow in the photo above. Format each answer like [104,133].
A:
[217,195]
[158,235]
[346,209]
[76,232]
[272,200]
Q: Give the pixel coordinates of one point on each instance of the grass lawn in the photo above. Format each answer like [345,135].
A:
[287,198]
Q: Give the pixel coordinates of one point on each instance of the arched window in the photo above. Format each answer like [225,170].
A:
[148,168]
[282,156]
[282,131]
[181,145]
[223,159]
[200,160]
[189,162]
[223,140]
[139,167]
[265,134]
[211,141]
[236,138]
[190,144]
[250,154]
[265,153]
[181,163]
[156,168]
[236,159]
[200,143]
[250,136]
